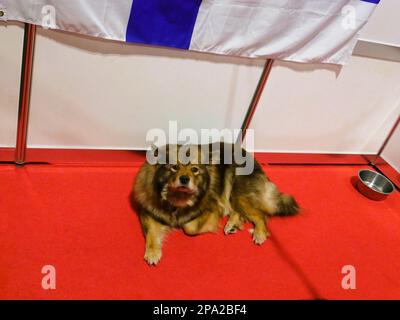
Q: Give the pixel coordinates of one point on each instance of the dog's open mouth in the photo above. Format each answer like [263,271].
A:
[181,190]
[181,196]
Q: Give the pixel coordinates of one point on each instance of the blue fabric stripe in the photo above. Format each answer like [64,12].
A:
[167,23]
[372,1]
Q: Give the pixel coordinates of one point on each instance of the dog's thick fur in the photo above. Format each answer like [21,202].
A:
[211,191]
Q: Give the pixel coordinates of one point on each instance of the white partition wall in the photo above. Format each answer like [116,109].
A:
[11,39]
[328,109]
[95,94]
[90,93]
[384,24]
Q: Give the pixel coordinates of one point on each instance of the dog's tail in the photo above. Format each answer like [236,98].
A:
[286,205]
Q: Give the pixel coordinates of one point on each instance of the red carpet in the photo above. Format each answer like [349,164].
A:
[79,219]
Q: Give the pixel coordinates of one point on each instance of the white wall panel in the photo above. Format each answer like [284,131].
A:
[328,109]
[384,24]
[90,93]
[11,43]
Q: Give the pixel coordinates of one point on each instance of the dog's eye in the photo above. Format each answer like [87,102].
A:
[175,168]
[195,169]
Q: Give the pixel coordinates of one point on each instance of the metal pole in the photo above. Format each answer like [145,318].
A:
[256,97]
[389,136]
[25,93]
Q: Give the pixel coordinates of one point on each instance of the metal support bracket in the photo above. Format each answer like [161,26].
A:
[25,93]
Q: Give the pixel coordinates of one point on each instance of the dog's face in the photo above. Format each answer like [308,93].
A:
[182,185]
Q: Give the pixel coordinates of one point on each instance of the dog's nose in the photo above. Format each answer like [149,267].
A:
[184,179]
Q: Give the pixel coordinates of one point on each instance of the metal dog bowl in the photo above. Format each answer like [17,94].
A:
[374,185]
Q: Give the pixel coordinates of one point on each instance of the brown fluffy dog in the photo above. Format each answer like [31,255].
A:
[194,196]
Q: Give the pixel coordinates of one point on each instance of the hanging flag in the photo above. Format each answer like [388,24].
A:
[310,31]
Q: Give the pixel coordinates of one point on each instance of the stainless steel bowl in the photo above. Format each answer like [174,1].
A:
[374,185]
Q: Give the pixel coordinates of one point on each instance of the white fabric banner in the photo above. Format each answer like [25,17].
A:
[310,31]
[300,30]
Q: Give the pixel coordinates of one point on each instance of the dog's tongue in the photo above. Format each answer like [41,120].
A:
[181,190]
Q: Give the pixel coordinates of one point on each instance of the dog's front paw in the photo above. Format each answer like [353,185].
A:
[152,256]
[260,237]
[231,228]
